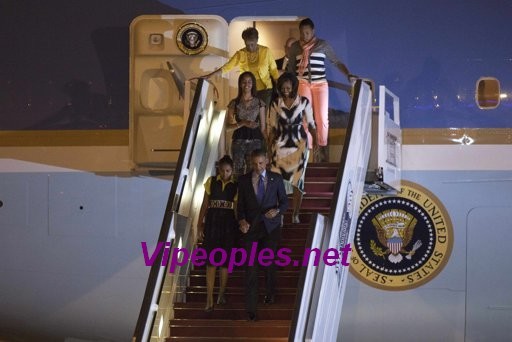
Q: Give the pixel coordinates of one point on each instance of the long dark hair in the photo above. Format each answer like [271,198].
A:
[240,78]
[294,81]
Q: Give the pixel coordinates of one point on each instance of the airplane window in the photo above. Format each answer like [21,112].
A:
[487,94]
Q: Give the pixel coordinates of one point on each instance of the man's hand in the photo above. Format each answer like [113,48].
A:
[244,226]
[272,213]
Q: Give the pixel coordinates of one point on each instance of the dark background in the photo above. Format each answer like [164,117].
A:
[64,63]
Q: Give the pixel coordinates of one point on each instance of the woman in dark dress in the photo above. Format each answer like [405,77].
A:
[220,226]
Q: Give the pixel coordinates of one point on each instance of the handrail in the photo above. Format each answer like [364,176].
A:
[195,161]
[307,281]
[337,229]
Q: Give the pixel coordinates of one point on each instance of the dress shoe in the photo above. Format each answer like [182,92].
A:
[251,316]
[221,300]
[269,299]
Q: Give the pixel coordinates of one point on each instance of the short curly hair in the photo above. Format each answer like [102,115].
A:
[250,33]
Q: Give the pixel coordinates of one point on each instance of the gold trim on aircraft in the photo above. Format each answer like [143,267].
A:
[118,137]
[442,136]
[457,136]
[411,136]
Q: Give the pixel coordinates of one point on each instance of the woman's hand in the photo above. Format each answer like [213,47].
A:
[312,131]
[352,78]
[250,124]
[244,226]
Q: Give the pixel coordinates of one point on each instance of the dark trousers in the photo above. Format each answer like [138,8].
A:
[266,96]
[241,151]
[259,234]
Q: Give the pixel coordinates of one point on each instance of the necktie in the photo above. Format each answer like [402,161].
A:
[260,190]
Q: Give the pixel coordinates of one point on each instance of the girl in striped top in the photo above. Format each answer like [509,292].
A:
[307,60]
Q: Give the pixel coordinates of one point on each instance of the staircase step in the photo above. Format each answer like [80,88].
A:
[318,187]
[197,294]
[287,268]
[317,179]
[316,202]
[228,322]
[297,230]
[223,339]
[232,311]
[237,279]
[239,298]
[305,215]
[324,164]
[216,328]
[321,171]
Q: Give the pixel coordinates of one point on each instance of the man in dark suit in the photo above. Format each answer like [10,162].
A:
[282,62]
[261,203]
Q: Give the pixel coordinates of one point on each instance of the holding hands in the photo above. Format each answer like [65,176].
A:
[244,226]
[272,213]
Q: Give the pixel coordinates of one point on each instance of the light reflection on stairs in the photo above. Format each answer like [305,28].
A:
[228,322]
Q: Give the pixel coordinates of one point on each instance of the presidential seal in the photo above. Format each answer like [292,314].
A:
[191,38]
[403,241]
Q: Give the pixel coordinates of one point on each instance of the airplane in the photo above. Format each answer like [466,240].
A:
[80,190]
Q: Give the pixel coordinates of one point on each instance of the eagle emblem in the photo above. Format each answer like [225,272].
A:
[395,228]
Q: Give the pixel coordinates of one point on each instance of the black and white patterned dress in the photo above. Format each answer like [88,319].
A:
[289,149]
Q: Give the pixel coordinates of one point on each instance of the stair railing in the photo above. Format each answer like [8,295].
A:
[319,305]
[199,151]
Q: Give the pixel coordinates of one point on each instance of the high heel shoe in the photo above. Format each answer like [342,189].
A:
[209,308]
[221,300]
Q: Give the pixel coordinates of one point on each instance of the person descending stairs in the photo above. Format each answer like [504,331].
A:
[228,321]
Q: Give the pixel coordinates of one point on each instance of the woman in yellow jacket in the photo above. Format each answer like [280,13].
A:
[257,59]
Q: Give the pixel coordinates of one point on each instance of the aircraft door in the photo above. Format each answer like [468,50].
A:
[165,52]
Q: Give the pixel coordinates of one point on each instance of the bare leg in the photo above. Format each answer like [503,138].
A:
[297,202]
[210,282]
[223,282]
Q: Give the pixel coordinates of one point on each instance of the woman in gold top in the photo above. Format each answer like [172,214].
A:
[257,59]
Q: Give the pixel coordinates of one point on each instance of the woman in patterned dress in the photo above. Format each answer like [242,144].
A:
[289,140]
[220,226]
[246,115]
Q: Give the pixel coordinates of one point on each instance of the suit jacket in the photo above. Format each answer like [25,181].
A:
[248,207]
[279,63]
